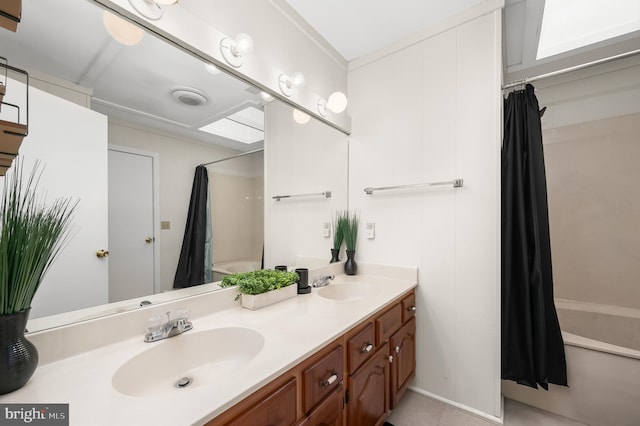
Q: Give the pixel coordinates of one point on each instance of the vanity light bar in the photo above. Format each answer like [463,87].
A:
[326,194]
[457,183]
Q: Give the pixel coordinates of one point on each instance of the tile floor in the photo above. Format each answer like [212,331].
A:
[418,410]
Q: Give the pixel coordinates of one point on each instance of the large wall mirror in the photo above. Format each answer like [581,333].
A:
[122,128]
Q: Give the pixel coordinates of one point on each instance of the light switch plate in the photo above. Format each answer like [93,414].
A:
[326,229]
[165,224]
[371,230]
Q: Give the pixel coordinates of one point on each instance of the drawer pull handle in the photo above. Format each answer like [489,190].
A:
[390,359]
[330,380]
[366,348]
[411,308]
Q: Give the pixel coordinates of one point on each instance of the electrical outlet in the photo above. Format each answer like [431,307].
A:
[371,230]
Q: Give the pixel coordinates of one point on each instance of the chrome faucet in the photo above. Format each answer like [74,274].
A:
[171,328]
[322,280]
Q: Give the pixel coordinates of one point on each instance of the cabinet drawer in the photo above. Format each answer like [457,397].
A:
[408,307]
[329,412]
[388,323]
[360,347]
[277,409]
[321,378]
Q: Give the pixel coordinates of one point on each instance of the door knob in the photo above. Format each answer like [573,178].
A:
[148,240]
[102,253]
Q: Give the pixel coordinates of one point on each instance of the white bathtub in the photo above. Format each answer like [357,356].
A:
[220,270]
[602,348]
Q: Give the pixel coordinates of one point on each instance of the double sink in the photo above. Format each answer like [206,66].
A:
[198,358]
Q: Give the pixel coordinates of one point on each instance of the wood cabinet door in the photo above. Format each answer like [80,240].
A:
[276,409]
[388,323]
[403,368]
[360,347]
[408,307]
[321,378]
[329,412]
[368,391]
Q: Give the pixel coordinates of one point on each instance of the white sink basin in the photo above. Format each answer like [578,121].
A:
[202,357]
[350,291]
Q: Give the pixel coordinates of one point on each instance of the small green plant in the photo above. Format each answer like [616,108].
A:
[338,228]
[261,281]
[31,237]
[350,230]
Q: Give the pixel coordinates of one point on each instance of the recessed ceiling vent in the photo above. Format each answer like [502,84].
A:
[190,96]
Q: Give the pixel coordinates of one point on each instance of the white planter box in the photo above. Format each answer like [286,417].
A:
[257,301]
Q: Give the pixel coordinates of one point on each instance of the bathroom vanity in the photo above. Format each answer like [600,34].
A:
[361,375]
[343,354]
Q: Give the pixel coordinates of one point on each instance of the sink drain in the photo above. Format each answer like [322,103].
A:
[183,383]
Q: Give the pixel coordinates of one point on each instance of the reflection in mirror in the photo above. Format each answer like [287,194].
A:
[167,113]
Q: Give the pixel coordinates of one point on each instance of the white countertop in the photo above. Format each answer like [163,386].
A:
[292,330]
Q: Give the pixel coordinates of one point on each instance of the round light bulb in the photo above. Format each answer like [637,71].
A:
[121,30]
[337,102]
[297,79]
[244,43]
[300,117]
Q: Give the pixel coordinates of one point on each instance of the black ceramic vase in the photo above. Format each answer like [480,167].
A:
[350,266]
[335,253]
[18,356]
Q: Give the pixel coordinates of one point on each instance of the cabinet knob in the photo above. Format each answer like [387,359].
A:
[330,380]
[398,349]
[390,359]
[411,308]
[366,348]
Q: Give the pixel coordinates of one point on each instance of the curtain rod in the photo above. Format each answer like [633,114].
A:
[235,156]
[566,70]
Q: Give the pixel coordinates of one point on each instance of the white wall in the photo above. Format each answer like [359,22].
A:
[301,159]
[178,160]
[431,112]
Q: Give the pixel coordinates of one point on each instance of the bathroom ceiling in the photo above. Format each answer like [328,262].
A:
[358,27]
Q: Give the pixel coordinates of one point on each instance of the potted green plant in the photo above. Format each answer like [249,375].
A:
[350,231]
[31,237]
[263,287]
[338,234]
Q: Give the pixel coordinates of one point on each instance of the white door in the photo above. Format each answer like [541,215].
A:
[131,225]
[71,142]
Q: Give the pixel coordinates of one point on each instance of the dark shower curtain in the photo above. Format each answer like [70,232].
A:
[532,346]
[191,265]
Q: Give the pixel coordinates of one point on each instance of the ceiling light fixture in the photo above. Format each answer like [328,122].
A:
[337,102]
[322,107]
[301,117]
[289,83]
[150,9]
[233,50]
[121,30]
[189,96]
